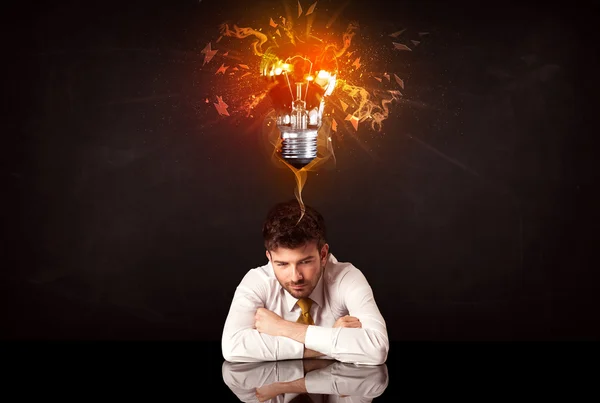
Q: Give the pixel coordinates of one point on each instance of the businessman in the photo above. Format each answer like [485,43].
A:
[303,303]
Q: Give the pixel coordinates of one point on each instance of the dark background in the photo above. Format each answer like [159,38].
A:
[132,212]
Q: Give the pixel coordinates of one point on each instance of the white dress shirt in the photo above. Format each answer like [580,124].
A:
[338,382]
[342,290]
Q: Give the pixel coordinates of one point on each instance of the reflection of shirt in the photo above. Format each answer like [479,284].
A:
[338,382]
[342,290]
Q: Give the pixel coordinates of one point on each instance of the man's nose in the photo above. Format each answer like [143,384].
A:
[296,275]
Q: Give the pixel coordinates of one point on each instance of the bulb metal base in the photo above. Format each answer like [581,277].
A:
[299,148]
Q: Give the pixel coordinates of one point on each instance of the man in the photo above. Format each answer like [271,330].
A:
[303,303]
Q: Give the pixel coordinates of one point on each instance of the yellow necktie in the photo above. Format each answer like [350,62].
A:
[305,304]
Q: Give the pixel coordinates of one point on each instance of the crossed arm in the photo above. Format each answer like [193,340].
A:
[253,333]
[270,323]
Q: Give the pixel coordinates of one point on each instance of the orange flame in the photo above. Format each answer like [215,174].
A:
[353,103]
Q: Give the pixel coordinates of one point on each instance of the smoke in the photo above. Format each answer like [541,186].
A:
[272,143]
[368,107]
[242,33]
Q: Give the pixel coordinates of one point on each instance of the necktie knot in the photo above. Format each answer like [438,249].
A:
[305,304]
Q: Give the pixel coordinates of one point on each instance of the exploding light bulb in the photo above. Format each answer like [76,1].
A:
[302,76]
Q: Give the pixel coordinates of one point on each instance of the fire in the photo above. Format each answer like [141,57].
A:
[314,87]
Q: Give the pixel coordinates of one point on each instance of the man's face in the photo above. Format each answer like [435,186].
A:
[299,270]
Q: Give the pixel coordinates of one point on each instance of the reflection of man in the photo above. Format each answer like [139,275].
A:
[303,303]
[316,381]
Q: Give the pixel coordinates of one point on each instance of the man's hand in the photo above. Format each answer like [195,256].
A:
[268,322]
[268,392]
[347,321]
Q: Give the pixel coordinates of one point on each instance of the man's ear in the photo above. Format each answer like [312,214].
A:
[324,252]
[268,254]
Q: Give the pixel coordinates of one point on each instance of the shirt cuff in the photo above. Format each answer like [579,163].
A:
[290,370]
[320,382]
[320,339]
[289,349]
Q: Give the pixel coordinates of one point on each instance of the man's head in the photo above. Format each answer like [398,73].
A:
[297,248]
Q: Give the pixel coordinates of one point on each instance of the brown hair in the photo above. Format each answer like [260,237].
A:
[282,228]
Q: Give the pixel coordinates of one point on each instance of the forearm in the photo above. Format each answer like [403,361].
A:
[357,346]
[296,386]
[308,353]
[268,392]
[334,379]
[249,345]
[297,332]
[293,330]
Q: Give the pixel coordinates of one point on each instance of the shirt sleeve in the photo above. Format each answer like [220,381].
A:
[368,345]
[348,379]
[243,378]
[240,341]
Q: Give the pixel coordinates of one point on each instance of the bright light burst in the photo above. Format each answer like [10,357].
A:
[313,48]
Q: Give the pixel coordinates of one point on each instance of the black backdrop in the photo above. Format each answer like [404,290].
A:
[132,211]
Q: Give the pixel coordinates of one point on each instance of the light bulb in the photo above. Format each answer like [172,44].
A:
[302,77]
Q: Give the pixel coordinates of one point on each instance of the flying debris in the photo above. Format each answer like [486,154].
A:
[397,33]
[311,8]
[222,69]
[208,53]
[399,81]
[354,120]
[400,46]
[221,106]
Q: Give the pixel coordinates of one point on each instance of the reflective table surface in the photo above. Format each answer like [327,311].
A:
[196,371]
[309,380]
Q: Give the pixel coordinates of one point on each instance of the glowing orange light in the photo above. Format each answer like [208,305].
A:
[301,70]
